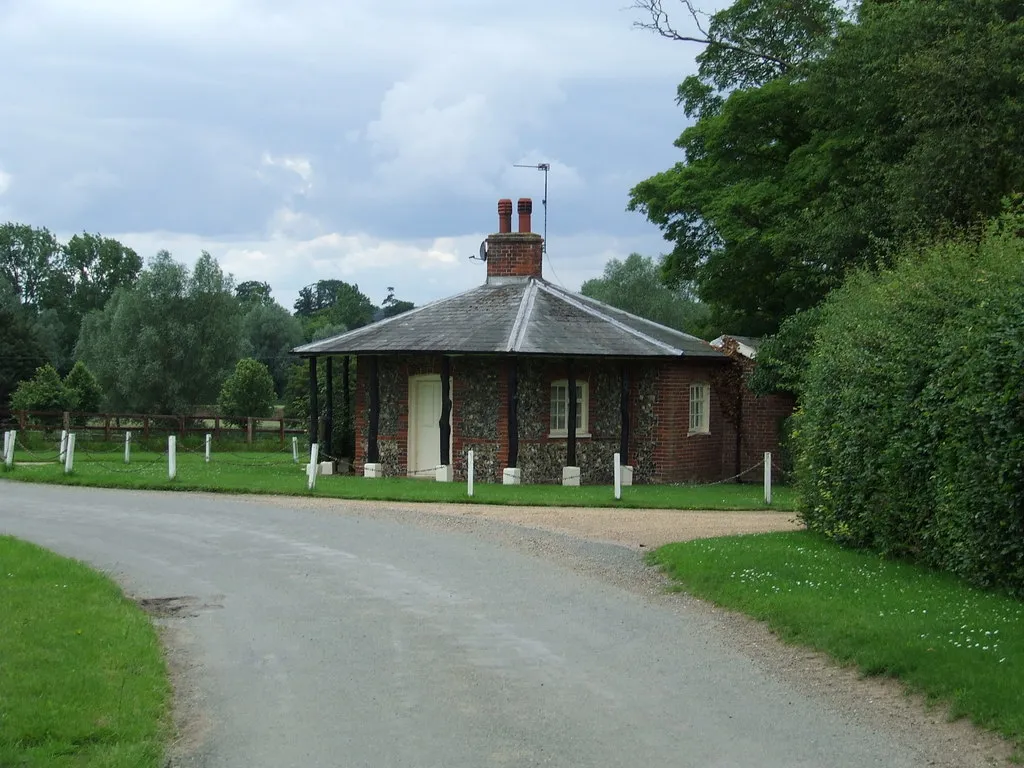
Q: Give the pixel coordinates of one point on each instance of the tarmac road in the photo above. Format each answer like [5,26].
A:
[324,639]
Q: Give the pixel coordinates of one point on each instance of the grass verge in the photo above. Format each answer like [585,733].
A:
[82,677]
[277,474]
[951,642]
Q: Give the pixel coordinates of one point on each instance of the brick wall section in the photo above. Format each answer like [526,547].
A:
[678,455]
[514,254]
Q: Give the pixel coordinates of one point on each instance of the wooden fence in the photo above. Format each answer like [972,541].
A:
[113,425]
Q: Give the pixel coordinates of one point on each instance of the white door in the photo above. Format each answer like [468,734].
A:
[424,423]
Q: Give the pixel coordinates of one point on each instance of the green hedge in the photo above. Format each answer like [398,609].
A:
[909,436]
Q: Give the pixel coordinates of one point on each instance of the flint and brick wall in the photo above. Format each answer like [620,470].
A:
[661,448]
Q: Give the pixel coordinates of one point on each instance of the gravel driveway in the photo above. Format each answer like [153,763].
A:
[325,633]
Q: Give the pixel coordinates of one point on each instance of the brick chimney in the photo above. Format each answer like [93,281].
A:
[513,256]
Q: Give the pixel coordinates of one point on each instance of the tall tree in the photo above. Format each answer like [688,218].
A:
[271,333]
[879,130]
[27,259]
[166,344]
[392,306]
[633,285]
[21,351]
[84,275]
[254,292]
[333,303]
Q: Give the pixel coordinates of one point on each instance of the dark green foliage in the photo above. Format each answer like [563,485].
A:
[864,137]
[634,285]
[165,345]
[43,392]
[271,333]
[21,350]
[85,391]
[249,391]
[909,435]
[782,357]
[254,292]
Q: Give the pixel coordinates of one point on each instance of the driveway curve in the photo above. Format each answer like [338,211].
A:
[317,635]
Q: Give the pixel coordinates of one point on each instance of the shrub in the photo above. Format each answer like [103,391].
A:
[43,392]
[83,389]
[249,391]
[909,433]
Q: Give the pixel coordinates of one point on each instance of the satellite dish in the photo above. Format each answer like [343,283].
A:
[483,252]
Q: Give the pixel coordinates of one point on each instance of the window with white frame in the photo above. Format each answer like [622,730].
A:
[700,407]
[560,408]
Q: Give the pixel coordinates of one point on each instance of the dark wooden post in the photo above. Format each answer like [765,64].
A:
[106,429]
[570,417]
[329,420]
[314,407]
[280,428]
[624,415]
[372,449]
[346,414]
[145,427]
[446,410]
[513,413]
[248,430]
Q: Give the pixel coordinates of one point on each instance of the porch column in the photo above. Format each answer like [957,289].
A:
[513,414]
[570,419]
[624,416]
[446,411]
[314,407]
[372,449]
[329,420]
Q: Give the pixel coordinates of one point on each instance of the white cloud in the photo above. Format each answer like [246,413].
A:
[5,181]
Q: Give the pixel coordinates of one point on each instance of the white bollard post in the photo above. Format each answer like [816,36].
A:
[469,473]
[63,444]
[127,447]
[209,442]
[767,477]
[7,444]
[314,456]
[295,450]
[618,477]
[172,457]
[69,458]
[11,436]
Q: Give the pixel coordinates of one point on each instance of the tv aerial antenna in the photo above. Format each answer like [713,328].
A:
[546,167]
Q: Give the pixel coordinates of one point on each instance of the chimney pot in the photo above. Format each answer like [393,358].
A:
[504,215]
[525,209]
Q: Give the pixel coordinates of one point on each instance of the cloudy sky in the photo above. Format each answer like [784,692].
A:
[366,141]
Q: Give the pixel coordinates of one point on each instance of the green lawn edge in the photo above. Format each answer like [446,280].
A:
[289,480]
[958,646]
[83,680]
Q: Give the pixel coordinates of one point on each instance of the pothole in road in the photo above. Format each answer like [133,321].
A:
[184,606]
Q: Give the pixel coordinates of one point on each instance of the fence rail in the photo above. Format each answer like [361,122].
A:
[112,425]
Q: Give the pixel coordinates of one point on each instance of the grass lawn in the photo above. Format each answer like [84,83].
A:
[82,677]
[955,644]
[275,473]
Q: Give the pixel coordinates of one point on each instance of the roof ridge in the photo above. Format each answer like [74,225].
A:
[522,322]
[355,332]
[570,299]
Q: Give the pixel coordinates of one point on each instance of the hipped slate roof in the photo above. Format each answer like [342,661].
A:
[528,316]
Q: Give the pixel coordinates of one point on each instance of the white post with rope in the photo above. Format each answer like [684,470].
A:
[469,473]
[295,450]
[63,451]
[127,447]
[69,458]
[314,454]
[768,477]
[209,442]
[617,470]
[172,457]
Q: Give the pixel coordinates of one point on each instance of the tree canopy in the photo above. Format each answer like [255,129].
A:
[633,285]
[823,144]
[166,344]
